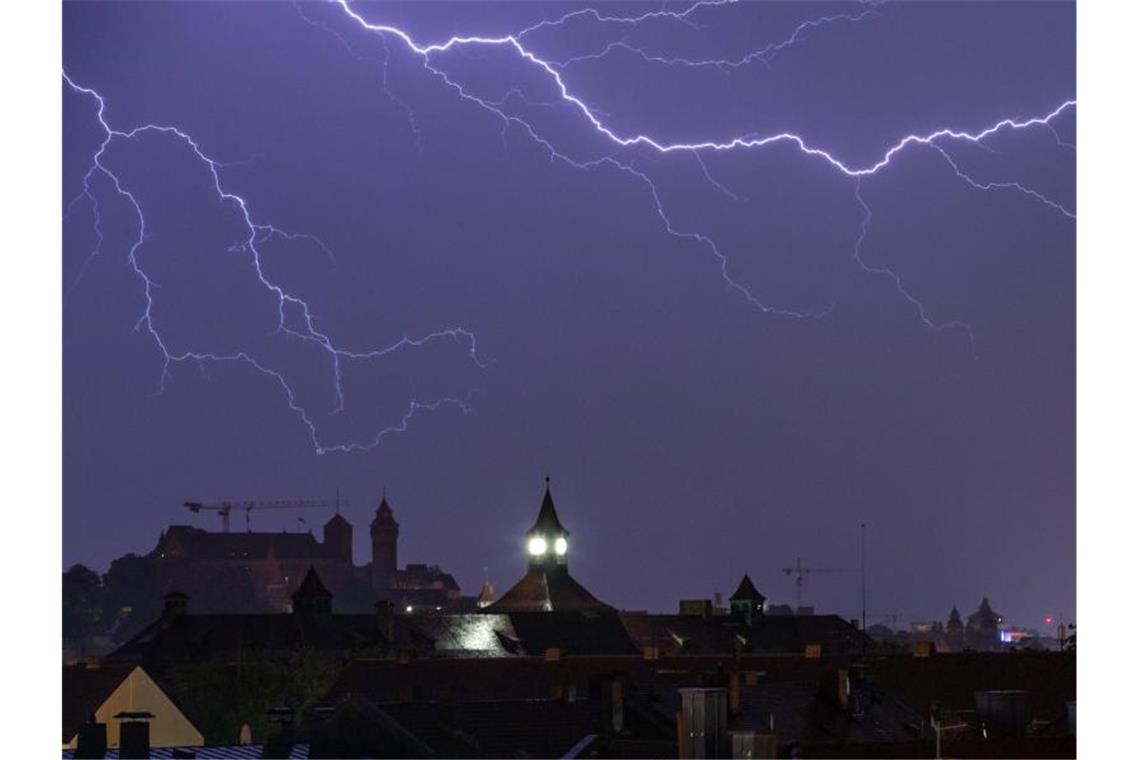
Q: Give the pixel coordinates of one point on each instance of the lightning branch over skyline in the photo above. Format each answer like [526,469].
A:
[555,71]
[259,233]
[624,153]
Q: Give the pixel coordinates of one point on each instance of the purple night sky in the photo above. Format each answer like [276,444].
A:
[698,420]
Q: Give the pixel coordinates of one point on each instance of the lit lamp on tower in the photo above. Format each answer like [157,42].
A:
[547,585]
[546,540]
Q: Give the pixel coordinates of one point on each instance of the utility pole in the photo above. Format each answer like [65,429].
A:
[863,571]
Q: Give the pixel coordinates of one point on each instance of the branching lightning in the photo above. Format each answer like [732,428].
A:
[555,72]
[621,155]
[259,232]
[761,55]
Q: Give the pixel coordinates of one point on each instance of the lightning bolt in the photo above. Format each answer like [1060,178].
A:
[258,233]
[554,71]
[762,55]
[624,154]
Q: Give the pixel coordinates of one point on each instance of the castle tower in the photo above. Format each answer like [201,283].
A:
[385,534]
[338,539]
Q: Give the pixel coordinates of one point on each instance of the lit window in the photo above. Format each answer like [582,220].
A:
[536,546]
[560,546]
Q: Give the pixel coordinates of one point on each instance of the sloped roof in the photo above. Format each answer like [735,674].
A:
[547,521]
[337,519]
[546,589]
[191,637]
[311,587]
[791,633]
[746,591]
[85,689]
[384,513]
[203,544]
[681,634]
[506,728]
[572,632]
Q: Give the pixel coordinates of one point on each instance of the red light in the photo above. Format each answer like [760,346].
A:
[1048,619]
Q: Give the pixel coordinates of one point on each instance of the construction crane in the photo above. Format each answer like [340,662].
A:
[224,508]
[800,572]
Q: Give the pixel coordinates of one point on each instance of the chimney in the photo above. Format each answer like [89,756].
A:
[92,740]
[134,734]
[280,743]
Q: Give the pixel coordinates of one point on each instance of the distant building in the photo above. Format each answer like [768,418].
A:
[546,613]
[231,572]
[982,631]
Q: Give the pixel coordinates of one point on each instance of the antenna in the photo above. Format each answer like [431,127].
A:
[863,576]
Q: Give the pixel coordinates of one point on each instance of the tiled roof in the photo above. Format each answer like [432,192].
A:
[545,589]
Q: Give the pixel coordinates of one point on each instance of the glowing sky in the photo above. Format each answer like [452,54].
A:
[449,248]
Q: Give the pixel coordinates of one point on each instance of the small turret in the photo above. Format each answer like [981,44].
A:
[747,603]
[312,599]
[486,595]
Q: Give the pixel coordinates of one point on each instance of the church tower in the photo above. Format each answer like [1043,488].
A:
[385,533]
[546,540]
[547,585]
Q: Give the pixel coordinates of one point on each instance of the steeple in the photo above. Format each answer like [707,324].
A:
[486,596]
[546,540]
[547,585]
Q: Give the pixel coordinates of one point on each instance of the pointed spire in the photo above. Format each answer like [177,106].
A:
[547,522]
[384,511]
[311,587]
[746,591]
